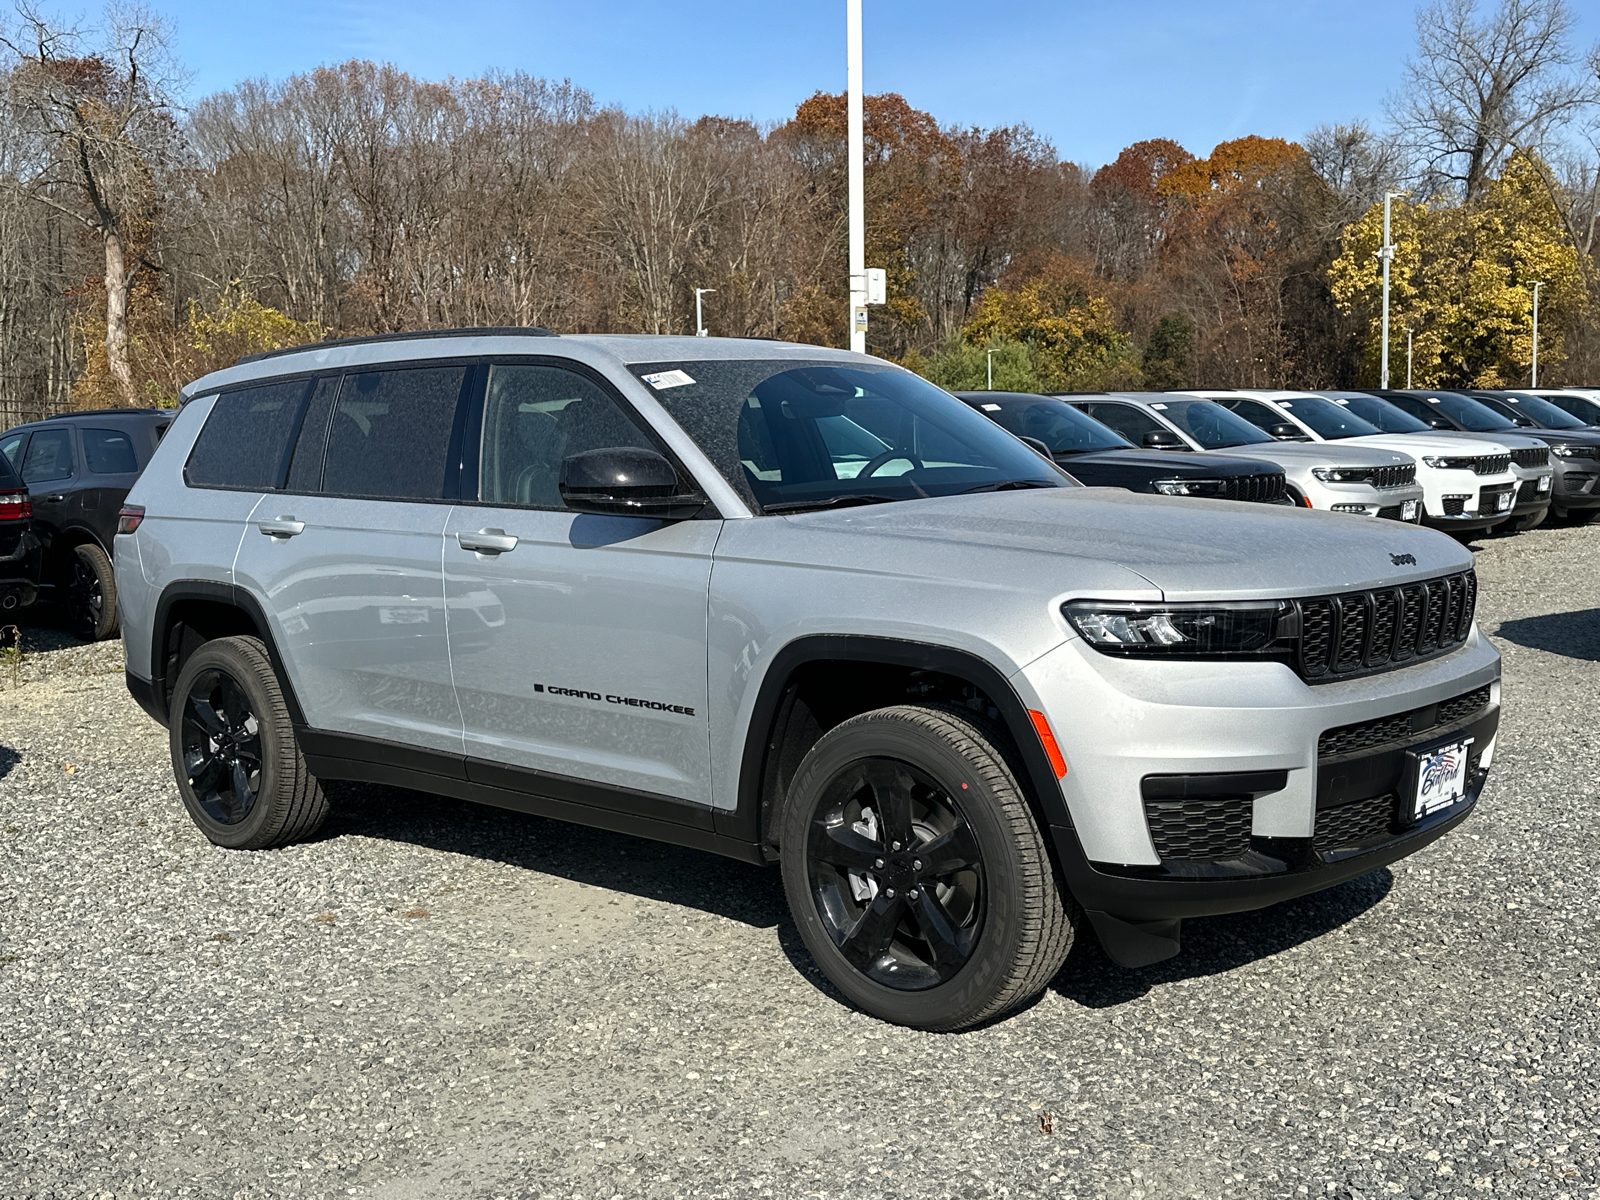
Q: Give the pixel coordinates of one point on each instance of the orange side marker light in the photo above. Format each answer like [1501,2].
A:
[1041,726]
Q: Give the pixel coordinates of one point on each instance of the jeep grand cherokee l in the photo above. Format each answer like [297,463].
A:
[666,585]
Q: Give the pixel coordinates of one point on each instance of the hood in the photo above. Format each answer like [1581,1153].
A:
[1178,464]
[1318,454]
[1417,444]
[1458,437]
[1074,540]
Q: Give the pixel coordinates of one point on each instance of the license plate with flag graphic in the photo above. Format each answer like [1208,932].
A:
[1441,778]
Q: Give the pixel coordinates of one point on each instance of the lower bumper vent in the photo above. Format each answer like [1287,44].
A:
[1207,829]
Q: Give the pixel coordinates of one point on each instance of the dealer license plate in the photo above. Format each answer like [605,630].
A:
[1441,778]
[1408,511]
[1502,502]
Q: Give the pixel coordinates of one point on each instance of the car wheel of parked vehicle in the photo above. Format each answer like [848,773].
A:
[238,766]
[91,588]
[916,872]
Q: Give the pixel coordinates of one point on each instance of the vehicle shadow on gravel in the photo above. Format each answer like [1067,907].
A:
[1214,945]
[8,759]
[649,870]
[1571,634]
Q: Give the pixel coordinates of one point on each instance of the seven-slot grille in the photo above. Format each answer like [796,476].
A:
[1393,477]
[1262,489]
[1533,456]
[1386,627]
[1490,464]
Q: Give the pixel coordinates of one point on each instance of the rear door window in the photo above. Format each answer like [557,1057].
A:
[392,432]
[109,452]
[49,456]
[245,444]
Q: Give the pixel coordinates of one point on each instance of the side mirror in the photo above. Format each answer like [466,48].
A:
[1522,421]
[1285,432]
[1439,423]
[1162,439]
[626,481]
[1038,447]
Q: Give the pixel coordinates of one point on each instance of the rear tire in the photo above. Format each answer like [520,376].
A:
[91,593]
[916,873]
[234,754]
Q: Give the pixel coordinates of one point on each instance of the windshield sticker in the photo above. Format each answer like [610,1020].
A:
[668,379]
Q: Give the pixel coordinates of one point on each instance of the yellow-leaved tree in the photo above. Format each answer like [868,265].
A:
[1462,282]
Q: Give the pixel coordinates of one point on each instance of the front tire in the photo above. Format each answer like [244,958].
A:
[234,754]
[916,873]
[91,593]
[1525,523]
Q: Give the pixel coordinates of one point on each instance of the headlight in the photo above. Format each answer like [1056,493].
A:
[1252,627]
[1571,451]
[1192,487]
[1342,474]
[1447,464]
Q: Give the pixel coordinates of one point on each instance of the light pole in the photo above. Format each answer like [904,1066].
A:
[1536,286]
[1385,254]
[1408,360]
[699,320]
[857,203]
[989,362]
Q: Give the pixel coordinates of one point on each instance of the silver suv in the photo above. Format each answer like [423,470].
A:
[792,604]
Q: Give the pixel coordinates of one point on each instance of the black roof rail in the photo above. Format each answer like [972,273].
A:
[102,412]
[405,336]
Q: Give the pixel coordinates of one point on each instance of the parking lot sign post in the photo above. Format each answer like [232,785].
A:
[856,149]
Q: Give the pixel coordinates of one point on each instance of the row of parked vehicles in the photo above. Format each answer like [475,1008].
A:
[795,605]
[1468,462]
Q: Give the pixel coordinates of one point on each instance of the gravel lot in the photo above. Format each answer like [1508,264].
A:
[440,1000]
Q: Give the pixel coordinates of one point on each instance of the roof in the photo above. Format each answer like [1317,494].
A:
[598,350]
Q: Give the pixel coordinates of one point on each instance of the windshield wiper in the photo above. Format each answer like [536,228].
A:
[1009,485]
[828,502]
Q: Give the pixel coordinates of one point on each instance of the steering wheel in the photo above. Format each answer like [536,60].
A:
[884,459]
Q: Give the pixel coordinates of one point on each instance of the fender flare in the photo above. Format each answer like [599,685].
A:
[745,821]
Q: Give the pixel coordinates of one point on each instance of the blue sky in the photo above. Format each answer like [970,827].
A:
[1092,77]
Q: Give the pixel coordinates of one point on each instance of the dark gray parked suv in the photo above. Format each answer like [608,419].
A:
[793,604]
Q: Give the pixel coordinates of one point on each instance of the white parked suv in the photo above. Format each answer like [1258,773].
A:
[666,586]
[1468,483]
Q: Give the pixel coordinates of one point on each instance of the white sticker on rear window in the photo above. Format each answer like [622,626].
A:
[668,379]
[991,408]
[1160,406]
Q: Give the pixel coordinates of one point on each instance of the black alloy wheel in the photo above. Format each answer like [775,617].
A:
[239,768]
[916,870]
[896,874]
[91,593]
[221,740]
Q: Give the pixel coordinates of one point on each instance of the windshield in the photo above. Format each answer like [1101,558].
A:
[1058,425]
[1468,413]
[798,434]
[1327,419]
[1584,409]
[1380,414]
[1213,426]
[1543,412]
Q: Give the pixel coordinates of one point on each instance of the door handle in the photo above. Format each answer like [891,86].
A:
[281,527]
[487,541]
[56,497]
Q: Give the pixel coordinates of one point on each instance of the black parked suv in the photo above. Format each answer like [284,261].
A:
[1099,456]
[1574,453]
[19,548]
[77,468]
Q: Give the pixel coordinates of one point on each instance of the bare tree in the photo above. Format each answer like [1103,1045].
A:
[1478,89]
[1358,164]
[105,131]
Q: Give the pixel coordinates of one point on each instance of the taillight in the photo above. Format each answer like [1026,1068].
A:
[15,506]
[130,516]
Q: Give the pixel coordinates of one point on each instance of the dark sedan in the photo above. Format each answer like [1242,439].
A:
[1101,457]
[1574,453]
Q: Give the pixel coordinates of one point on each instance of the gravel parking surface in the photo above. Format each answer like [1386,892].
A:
[439,1000]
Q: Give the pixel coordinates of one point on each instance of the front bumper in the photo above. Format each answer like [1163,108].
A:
[1363,501]
[1262,729]
[1577,483]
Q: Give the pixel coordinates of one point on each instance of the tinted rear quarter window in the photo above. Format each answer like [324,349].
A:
[391,433]
[245,443]
[109,452]
[49,456]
